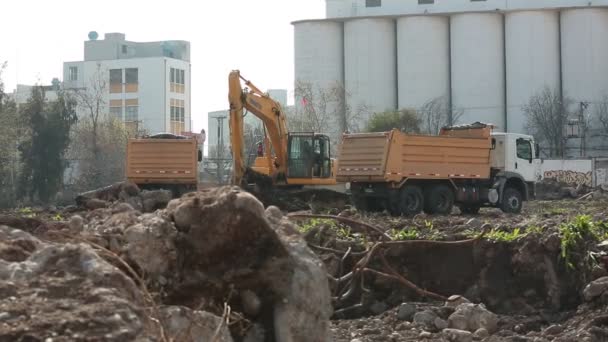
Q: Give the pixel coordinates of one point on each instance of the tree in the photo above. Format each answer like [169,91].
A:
[43,153]
[601,113]
[406,120]
[110,144]
[12,131]
[435,114]
[546,118]
[91,101]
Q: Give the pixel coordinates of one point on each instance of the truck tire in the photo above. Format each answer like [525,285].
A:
[411,200]
[439,200]
[512,201]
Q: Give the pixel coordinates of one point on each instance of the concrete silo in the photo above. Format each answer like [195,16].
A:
[478,67]
[532,57]
[319,57]
[585,54]
[370,65]
[423,54]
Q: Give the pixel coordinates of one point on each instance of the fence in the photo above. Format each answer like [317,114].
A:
[587,172]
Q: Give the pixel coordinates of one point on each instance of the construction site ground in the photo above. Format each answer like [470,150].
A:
[129,265]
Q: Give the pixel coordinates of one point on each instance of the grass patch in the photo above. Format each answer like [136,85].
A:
[404,234]
[574,233]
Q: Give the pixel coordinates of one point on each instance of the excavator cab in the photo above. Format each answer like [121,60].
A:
[308,156]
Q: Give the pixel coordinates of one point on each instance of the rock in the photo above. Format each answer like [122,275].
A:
[595,288]
[471,317]
[406,312]
[378,308]
[183,324]
[102,302]
[455,335]
[76,223]
[598,272]
[95,203]
[226,237]
[480,334]
[425,334]
[150,244]
[356,340]
[553,330]
[121,207]
[155,199]
[425,318]
[16,245]
[455,300]
[440,323]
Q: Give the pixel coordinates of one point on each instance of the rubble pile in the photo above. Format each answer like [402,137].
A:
[211,264]
[219,265]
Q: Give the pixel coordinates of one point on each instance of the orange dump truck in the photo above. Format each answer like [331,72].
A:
[469,166]
[164,161]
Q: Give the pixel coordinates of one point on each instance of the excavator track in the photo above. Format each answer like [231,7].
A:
[293,198]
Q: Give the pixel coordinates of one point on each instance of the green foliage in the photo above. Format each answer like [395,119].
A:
[575,232]
[405,120]
[12,130]
[42,154]
[404,234]
[314,222]
[501,235]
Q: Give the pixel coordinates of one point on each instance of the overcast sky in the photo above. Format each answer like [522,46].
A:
[253,36]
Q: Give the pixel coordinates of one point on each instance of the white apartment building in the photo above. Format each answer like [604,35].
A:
[22,93]
[147,84]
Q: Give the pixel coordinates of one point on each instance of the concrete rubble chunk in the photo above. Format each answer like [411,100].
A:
[406,312]
[455,300]
[471,317]
[183,324]
[595,288]
[258,249]
[455,335]
[425,318]
[150,244]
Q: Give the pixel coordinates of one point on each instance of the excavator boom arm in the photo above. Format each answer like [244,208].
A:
[267,110]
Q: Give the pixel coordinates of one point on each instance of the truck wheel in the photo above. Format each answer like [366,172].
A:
[360,203]
[410,200]
[440,200]
[511,201]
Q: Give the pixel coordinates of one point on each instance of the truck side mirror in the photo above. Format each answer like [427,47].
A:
[537,150]
[200,155]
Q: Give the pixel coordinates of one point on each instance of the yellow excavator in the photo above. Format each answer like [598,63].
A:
[289,160]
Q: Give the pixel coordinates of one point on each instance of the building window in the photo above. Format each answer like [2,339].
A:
[131,113]
[178,116]
[116,109]
[73,73]
[426,2]
[124,49]
[132,80]
[178,80]
[373,3]
[115,80]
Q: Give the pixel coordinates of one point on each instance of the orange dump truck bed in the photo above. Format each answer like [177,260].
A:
[162,161]
[394,156]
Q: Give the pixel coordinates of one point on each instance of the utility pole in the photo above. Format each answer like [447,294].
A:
[583,127]
[220,148]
